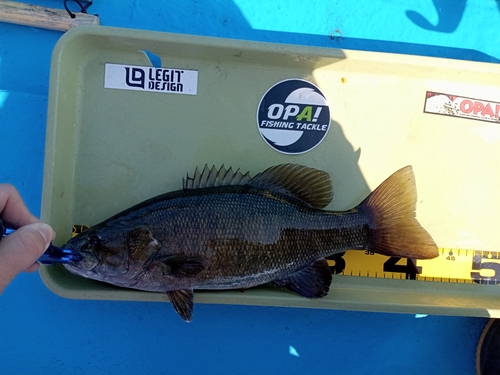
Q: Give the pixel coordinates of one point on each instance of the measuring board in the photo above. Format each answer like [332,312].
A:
[451,266]
[386,111]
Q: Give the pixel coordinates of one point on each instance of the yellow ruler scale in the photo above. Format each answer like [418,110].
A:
[452,265]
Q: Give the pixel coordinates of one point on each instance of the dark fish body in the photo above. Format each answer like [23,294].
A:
[250,236]
[227,231]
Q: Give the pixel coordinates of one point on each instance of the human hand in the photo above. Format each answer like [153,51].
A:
[20,250]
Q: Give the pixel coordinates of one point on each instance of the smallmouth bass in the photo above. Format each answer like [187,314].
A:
[226,230]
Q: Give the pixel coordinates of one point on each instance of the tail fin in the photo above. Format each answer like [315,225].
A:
[396,231]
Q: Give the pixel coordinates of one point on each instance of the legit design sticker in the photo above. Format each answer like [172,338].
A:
[293,116]
[147,78]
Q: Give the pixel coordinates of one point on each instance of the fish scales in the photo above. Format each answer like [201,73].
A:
[249,236]
[226,230]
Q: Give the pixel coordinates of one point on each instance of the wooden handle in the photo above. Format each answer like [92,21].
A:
[47,18]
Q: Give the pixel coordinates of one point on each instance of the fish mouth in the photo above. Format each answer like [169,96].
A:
[87,263]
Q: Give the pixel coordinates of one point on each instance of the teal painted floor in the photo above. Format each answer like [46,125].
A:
[43,333]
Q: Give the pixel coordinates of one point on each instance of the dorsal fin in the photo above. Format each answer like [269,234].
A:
[211,177]
[308,184]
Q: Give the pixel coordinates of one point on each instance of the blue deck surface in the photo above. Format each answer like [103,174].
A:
[43,333]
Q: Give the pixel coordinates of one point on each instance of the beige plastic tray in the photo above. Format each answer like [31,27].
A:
[107,149]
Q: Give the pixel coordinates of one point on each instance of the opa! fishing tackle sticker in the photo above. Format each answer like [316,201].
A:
[461,106]
[293,116]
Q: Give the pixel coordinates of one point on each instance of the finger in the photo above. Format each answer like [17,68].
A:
[13,209]
[19,250]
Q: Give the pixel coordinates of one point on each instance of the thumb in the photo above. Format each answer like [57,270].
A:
[19,250]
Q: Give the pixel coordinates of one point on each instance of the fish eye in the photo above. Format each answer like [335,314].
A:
[94,240]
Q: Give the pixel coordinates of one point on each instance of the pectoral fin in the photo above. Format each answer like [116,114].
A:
[182,301]
[185,265]
[310,282]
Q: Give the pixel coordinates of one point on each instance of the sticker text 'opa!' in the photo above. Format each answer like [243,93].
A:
[304,117]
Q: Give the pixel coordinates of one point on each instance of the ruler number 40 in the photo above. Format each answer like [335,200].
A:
[409,269]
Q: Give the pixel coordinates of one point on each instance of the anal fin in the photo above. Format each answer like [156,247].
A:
[312,281]
[182,301]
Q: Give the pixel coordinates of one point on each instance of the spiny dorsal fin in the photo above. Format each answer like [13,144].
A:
[308,184]
[211,177]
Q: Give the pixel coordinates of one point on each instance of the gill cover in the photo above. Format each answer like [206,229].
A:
[110,252]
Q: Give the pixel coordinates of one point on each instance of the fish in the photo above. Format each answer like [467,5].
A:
[227,230]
